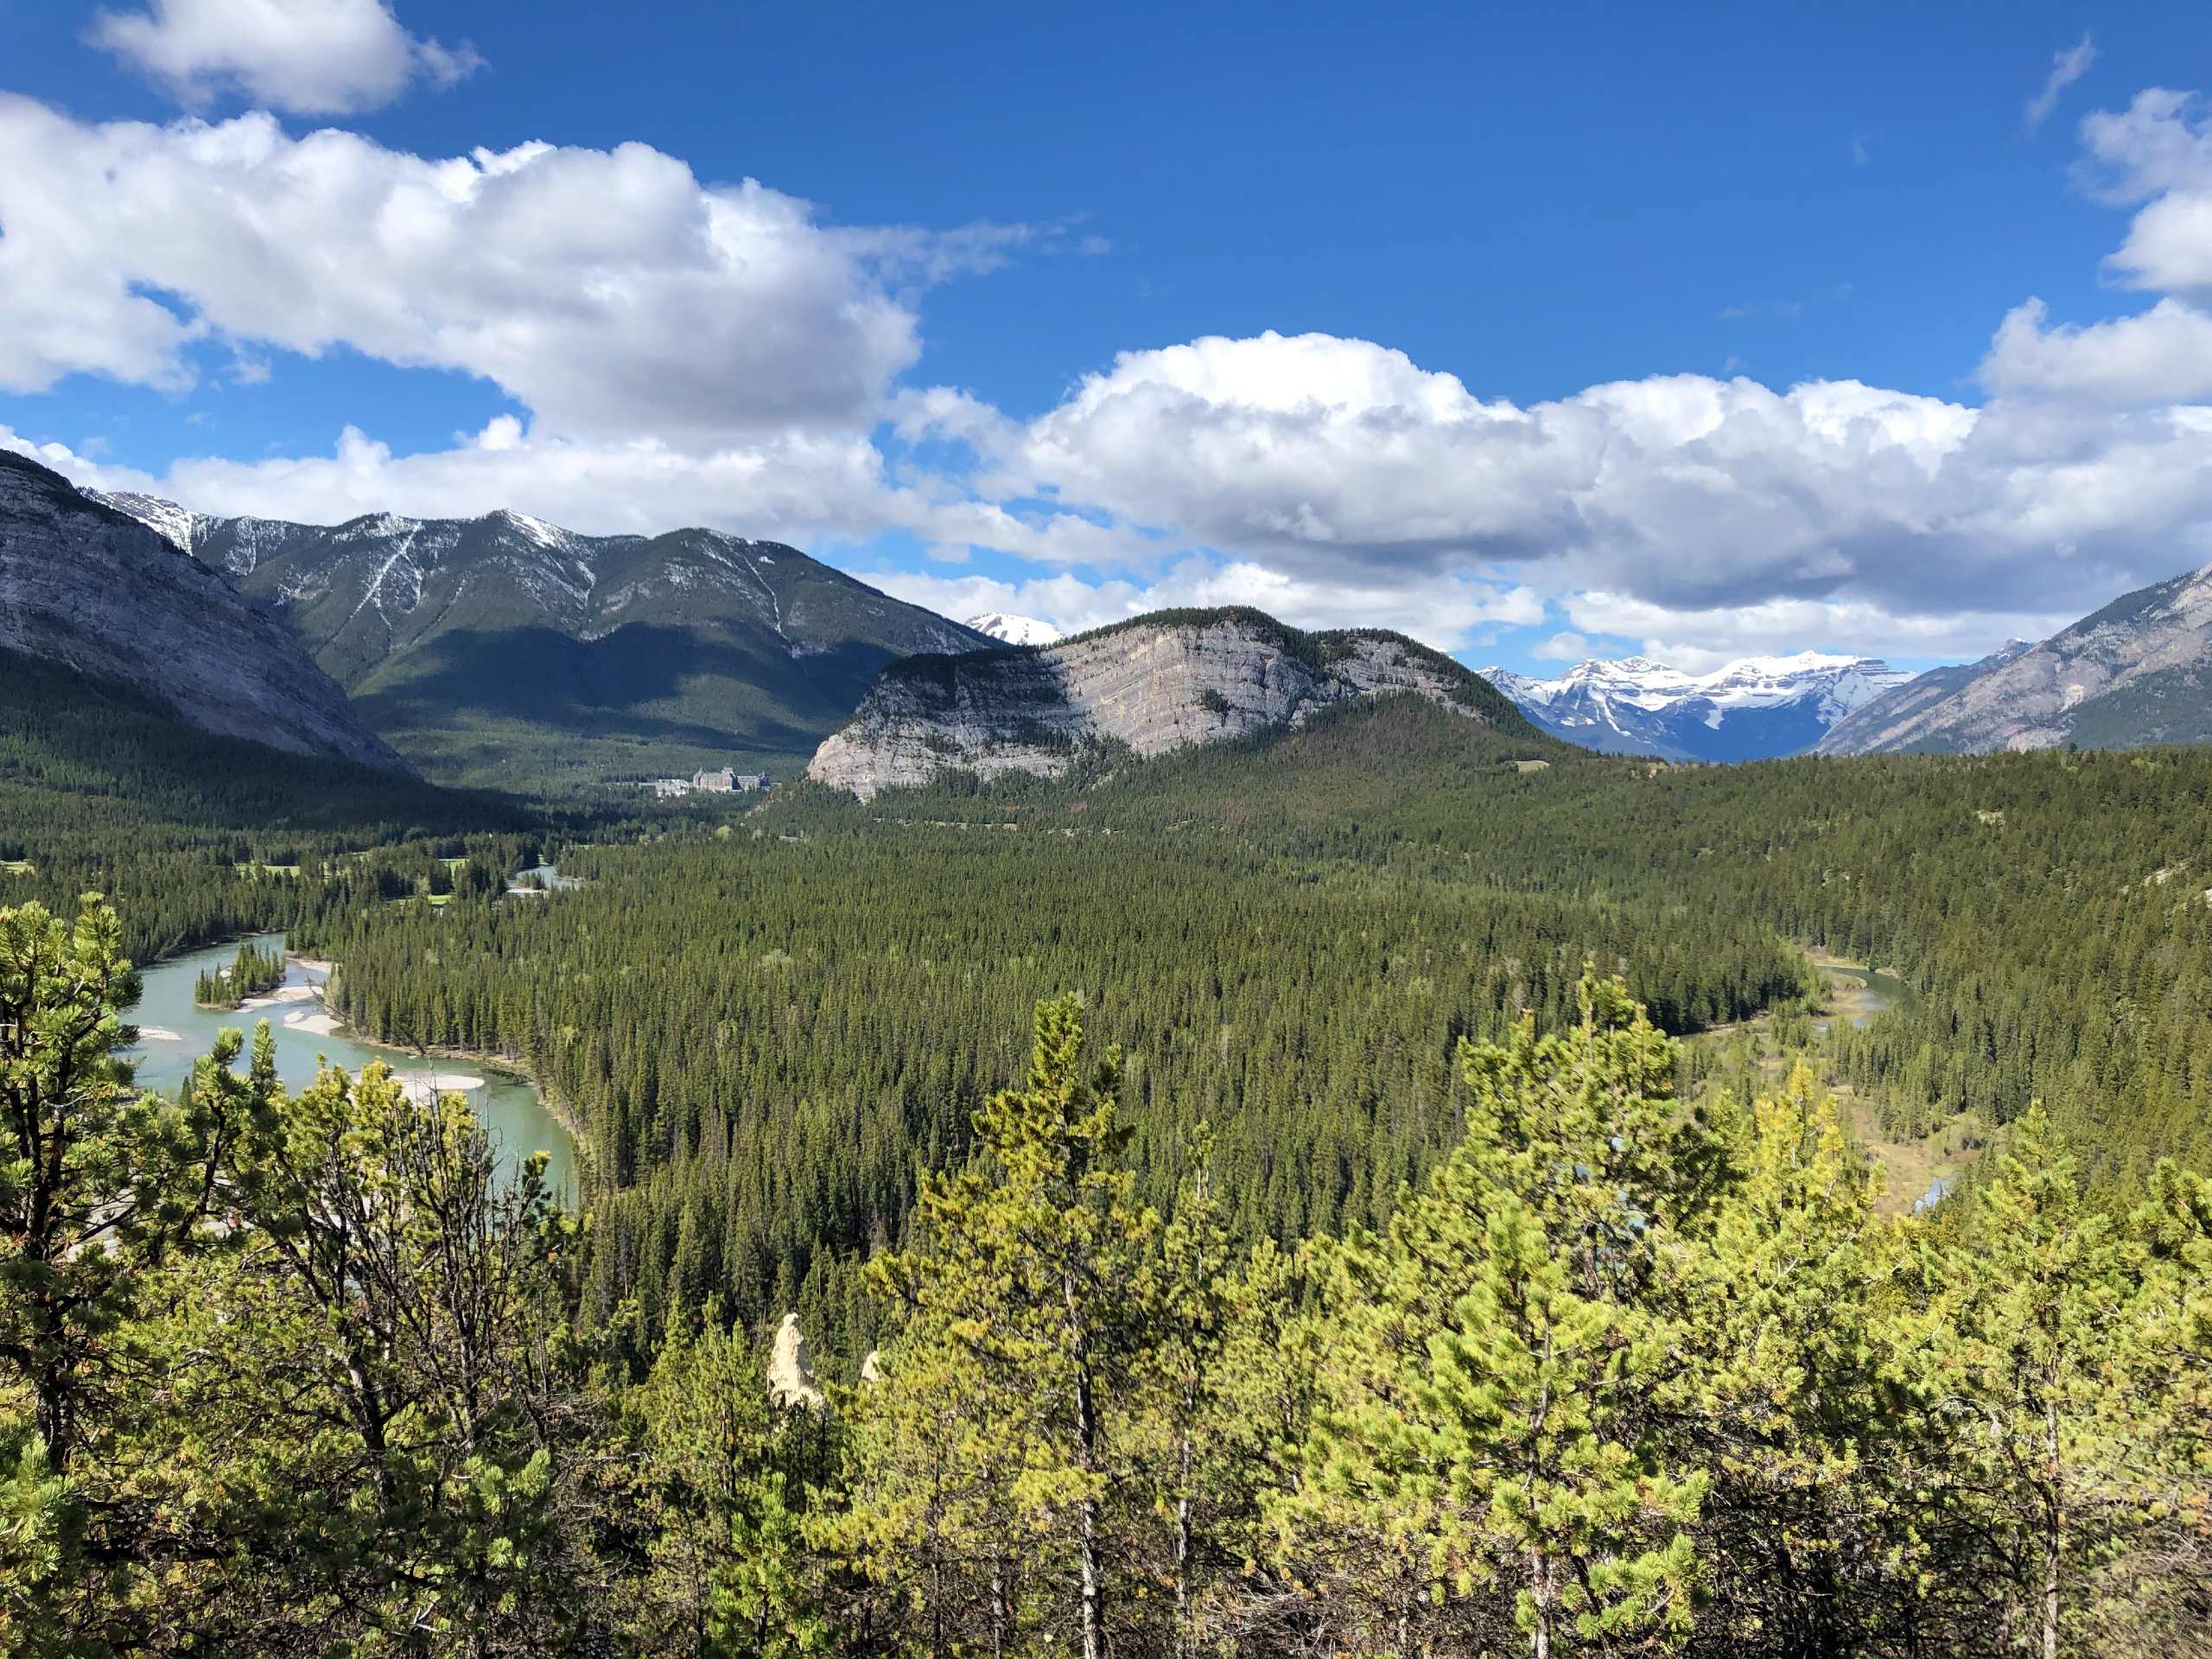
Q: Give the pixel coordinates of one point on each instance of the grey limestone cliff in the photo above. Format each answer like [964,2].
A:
[1154,684]
[84,584]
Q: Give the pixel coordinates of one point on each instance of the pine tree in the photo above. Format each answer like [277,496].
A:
[1191,1305]
[1791,1404]
[1491,1442]
[2022,1320]
[992,1435]
[2161,1588]
[731,1576]
[99,1183]
[414,1286]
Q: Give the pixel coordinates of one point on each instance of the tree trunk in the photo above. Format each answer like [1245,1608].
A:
[2007,1612]
[2054,1533]
[1093,1595]
[1185,1638]
[1540,1596]
[1086,1434]
[53,1426]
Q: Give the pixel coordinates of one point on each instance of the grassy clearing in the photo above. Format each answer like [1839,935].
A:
[1910,1167]
[1751,1052]
[16,866]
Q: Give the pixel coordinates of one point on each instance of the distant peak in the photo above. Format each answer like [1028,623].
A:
[1014,630]
[537,529]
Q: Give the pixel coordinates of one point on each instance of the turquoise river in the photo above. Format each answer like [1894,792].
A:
[175,1031]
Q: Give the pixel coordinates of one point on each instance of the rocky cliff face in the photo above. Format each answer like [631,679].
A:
[84,584]
[2139,671]
[1156,683]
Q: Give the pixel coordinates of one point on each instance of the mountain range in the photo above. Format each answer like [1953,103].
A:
[504,650]
[507,651]
[89,588]
[1754,708]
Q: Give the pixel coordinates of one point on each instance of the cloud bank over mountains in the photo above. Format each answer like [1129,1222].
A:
[678,350]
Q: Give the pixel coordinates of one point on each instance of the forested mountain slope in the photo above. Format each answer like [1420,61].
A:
[84,585]
[507,651]
[2137,672]
[199,837]
[1153,684]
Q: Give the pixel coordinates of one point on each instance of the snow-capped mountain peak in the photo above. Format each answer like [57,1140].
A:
[1754,708]
[172,523]
[1014,630]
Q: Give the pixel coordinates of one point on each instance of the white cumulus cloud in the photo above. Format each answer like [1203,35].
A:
[1441,611]
[610,292]
[2156,155]
[312,57]
[684,352]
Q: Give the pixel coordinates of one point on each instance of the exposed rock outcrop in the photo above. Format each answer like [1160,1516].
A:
[85,584]
[1155,683]
[790,1380]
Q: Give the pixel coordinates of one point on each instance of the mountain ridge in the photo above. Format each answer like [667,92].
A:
[506,650]
[2135,673]
[90,587]
[1153,684]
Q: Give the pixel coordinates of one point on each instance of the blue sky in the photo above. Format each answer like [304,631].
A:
[1302,306]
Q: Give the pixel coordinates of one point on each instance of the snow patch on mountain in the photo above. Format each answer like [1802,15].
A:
[1014,630]
[172,523]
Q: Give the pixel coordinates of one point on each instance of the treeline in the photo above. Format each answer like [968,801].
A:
[763,1041]
[1616,1377]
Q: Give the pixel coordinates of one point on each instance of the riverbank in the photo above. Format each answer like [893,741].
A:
[515,1067]
[1858,991]
[308,1034]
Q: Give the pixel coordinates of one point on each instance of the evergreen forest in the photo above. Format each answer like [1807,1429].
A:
[1399,1188]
